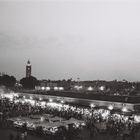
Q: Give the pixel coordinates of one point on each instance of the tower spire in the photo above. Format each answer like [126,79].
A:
[28,68]
[28,62]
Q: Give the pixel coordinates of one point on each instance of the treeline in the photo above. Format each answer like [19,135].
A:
[26,82]
[8,81]
[31,82]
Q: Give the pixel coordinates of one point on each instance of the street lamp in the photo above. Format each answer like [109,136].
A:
[90,88]
[92,106]
[43,88]
[50,100]
[62,101]
[110,107]
[48,88]
[124,108]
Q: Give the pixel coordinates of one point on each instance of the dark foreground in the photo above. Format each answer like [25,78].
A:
[85,135]
[5,135]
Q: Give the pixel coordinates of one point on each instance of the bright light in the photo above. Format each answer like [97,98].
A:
[24,97]
[90,88]
[62,101]
[78,87]
[23,102]
[61,88]
[54,129]
[11,99]
[137,119]
[16,101]
[55,88]
[124,109]
[83,124]
[16,95]
[42,119]
[105,113]
[43,104]
[110,107]
[54,105]
[9,96]
[48,88]
[92,105]
[76,125]
[43,88]
[40,99]
[37,104]
[2,96]
[32,102]
[27,100]
[126,118]
[50,100]
[102,88]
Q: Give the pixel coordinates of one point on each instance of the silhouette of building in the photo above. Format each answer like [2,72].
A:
[28,69]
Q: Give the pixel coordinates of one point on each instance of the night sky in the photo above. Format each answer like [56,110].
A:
[90,39]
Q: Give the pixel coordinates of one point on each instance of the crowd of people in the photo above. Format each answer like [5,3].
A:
[96,120]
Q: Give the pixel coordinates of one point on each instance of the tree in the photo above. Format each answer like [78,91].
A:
[29,82]
[8,81]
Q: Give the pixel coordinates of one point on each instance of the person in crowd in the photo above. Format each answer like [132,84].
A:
[113,124]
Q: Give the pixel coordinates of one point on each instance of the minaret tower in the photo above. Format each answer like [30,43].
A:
[28,69]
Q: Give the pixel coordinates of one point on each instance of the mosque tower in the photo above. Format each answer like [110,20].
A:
[28,69]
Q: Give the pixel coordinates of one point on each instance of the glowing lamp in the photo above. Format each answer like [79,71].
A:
[62,101]
[55,88]
[43,88]
[50,100]
[124,109]
[90,88]
[61,88]
[23,102]
[48,88]
[42,119]
[92,105]
[102,88]
[110,107]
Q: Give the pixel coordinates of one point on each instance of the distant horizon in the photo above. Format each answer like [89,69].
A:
[70,39]
[80,80]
